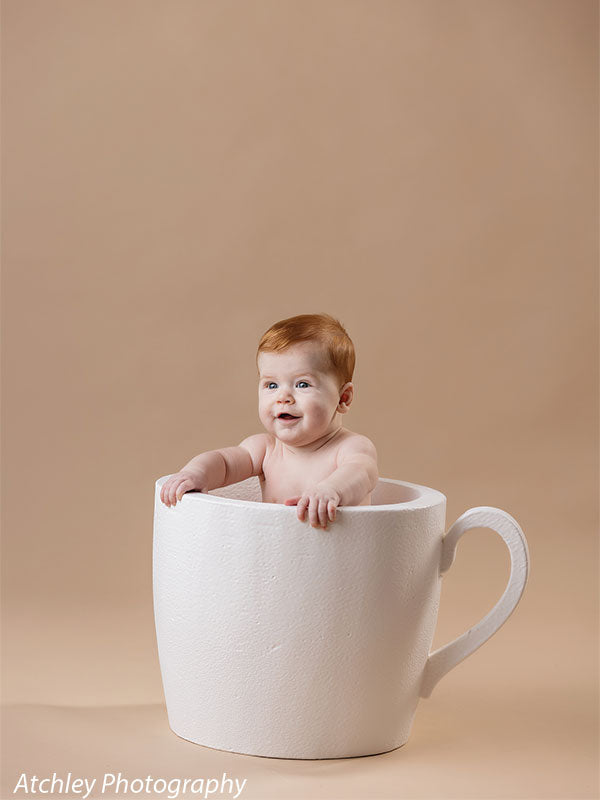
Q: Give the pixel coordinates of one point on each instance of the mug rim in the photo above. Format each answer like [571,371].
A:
[427,498]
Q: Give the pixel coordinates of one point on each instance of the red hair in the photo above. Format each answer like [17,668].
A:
[321,328]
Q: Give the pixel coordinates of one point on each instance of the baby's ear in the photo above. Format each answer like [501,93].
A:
[346,397]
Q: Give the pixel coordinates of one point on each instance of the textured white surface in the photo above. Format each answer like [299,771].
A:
[281,640]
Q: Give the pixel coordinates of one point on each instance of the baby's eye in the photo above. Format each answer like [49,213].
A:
[304,382]
[270,383]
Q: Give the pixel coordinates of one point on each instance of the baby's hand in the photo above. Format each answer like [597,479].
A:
[178,484]
[321,502]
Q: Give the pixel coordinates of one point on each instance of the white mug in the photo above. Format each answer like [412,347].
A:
[279,639]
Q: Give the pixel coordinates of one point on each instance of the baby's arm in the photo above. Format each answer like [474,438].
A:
[217,468]
[355,477]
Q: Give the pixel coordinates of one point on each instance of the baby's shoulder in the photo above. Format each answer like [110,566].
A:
[352,443]
[259,445]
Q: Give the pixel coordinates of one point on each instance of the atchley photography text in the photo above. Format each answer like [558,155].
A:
[113,784]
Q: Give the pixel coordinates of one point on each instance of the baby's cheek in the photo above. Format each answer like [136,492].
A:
[322,416]
[263,415]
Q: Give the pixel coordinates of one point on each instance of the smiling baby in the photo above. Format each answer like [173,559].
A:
[306,457]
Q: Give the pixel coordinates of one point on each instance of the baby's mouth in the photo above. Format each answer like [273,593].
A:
[287,416]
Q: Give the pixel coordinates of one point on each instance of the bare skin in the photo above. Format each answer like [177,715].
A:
[310,461]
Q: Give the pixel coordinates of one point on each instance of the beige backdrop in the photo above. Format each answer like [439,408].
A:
[177,176]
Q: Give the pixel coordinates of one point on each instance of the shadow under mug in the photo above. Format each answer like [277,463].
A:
[278,639]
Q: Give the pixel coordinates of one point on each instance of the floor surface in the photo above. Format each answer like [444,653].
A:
[537,743]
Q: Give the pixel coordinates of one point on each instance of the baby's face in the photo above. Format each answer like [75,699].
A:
[297,382]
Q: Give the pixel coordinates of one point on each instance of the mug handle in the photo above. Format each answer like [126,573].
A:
[445,658]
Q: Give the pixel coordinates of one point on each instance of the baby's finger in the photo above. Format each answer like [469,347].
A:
[303,503]
[184,487]
[323,514]
[173,490]
[313,512]
[164,492]
[331,507]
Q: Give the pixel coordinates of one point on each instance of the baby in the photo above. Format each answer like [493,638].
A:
[306,458]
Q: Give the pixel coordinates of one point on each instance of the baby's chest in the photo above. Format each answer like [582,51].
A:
[284,478]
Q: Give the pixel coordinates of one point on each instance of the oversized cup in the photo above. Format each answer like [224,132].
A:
[278,639]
